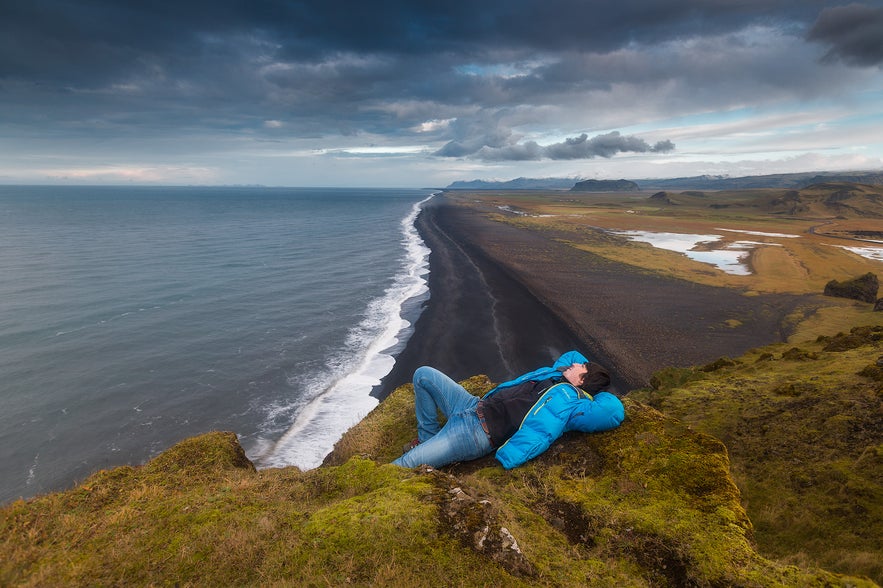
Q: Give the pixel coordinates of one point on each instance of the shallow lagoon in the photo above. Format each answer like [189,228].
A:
[729,258]
[875,253]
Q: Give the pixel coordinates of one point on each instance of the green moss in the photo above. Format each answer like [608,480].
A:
[717,364]
[802,432]
[673,377]
[652,503]
[199,457]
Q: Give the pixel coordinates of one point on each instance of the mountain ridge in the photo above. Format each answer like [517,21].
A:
[704,182]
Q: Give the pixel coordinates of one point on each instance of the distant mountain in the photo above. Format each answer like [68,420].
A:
[843,199]
[792,181]
[822,200]
[516,184]
[605,186]
[795,181]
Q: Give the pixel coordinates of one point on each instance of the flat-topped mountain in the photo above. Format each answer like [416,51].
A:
[605,186]
[794,181]
[516,184]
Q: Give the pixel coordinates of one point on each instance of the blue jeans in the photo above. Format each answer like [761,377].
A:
[462,437]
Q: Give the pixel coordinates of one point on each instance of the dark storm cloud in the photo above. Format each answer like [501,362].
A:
[63,38]
[335,67]
[854,33]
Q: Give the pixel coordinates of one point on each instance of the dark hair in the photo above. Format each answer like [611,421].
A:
[595,379]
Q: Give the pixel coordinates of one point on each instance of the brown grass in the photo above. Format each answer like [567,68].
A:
[782,265]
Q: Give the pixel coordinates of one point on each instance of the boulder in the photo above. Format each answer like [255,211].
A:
[862,288]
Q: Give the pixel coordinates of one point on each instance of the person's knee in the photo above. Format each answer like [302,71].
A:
[421,373]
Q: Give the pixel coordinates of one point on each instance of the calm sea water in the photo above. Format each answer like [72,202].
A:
[131,318]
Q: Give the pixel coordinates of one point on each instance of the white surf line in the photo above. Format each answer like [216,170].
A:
[346,399]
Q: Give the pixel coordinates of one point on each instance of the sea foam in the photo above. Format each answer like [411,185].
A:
[349,377]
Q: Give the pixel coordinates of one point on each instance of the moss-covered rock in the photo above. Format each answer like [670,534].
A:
[857,337]
[862,288]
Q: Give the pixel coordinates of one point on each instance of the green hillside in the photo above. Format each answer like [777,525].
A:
[802,425]
[656,502]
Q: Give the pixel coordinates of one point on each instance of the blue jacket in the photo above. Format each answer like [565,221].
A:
[561,408]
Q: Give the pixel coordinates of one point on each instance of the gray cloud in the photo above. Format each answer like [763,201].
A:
[528,151]
[103,37]
[581,147]
[854,34]
[606,145]
[109,69]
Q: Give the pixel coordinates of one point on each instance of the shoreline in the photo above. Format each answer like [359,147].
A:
[504,300]
[478,319]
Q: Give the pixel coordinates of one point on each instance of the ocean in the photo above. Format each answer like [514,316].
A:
[134,317]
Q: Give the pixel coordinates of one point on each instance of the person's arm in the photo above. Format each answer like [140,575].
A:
[543,373]
[601,413]
[523,446]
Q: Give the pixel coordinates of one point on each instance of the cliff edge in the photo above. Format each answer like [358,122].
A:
[652,503]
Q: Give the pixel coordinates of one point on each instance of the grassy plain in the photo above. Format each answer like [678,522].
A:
[799,242]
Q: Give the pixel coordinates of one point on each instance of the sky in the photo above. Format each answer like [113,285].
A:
[420,93]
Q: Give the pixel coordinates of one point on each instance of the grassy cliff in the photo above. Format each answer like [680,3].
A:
[652,503]
[804,429]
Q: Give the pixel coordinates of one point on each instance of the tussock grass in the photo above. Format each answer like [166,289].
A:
[838,315]
[802,426]
[182,520]
[783,265]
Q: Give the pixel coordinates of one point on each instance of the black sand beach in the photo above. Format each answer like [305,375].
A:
[505,300]
[479,319]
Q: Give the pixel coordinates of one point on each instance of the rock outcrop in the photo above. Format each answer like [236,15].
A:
[863,288]
[842,200]
[661,198]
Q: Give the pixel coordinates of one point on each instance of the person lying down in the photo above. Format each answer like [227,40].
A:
[519,419]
